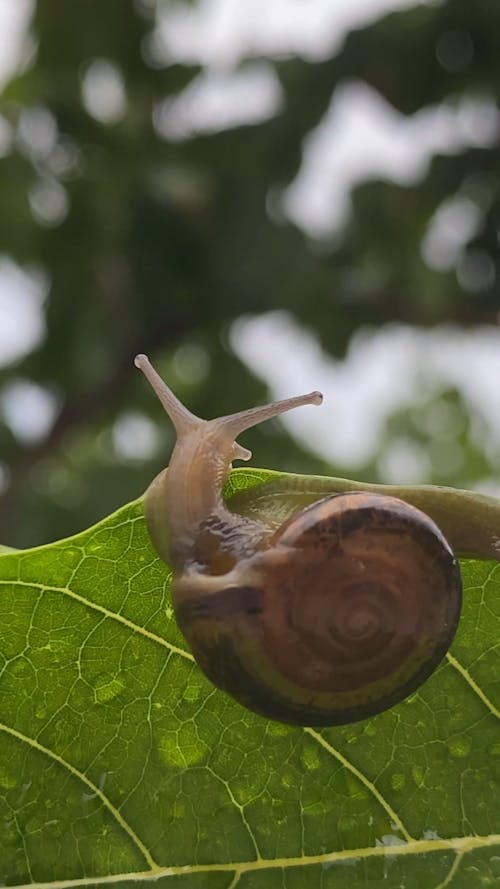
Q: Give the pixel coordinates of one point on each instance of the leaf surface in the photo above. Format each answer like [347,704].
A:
[121,765]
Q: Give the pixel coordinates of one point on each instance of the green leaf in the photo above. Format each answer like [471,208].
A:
[121,765]
[6,549]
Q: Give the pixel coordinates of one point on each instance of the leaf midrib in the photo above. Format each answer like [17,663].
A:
[458,845]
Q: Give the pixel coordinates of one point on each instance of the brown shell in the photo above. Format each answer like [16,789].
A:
[348,609]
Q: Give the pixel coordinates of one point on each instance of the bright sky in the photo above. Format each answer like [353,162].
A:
[14,15]
[219,32]
[386,369]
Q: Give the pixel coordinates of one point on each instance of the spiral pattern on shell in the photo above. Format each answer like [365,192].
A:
[365,605]
[345,611]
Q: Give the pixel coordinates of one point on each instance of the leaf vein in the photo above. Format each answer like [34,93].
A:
[88,783]
[459,845]
[364,780]
[113,615]
[473,684]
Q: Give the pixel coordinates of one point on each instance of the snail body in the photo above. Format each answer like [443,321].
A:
[334,615]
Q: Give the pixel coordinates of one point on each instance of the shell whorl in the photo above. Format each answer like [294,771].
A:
[351,606]
[374,590]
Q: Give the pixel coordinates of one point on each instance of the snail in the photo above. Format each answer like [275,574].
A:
[335,615]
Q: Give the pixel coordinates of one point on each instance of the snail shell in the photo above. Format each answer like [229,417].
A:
[350,608]
[336,615]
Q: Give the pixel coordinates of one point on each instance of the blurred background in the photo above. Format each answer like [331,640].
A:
[266,196]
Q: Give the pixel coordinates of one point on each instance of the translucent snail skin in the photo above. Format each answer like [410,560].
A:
[336,614]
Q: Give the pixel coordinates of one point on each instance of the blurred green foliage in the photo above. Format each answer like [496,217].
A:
[165,243]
